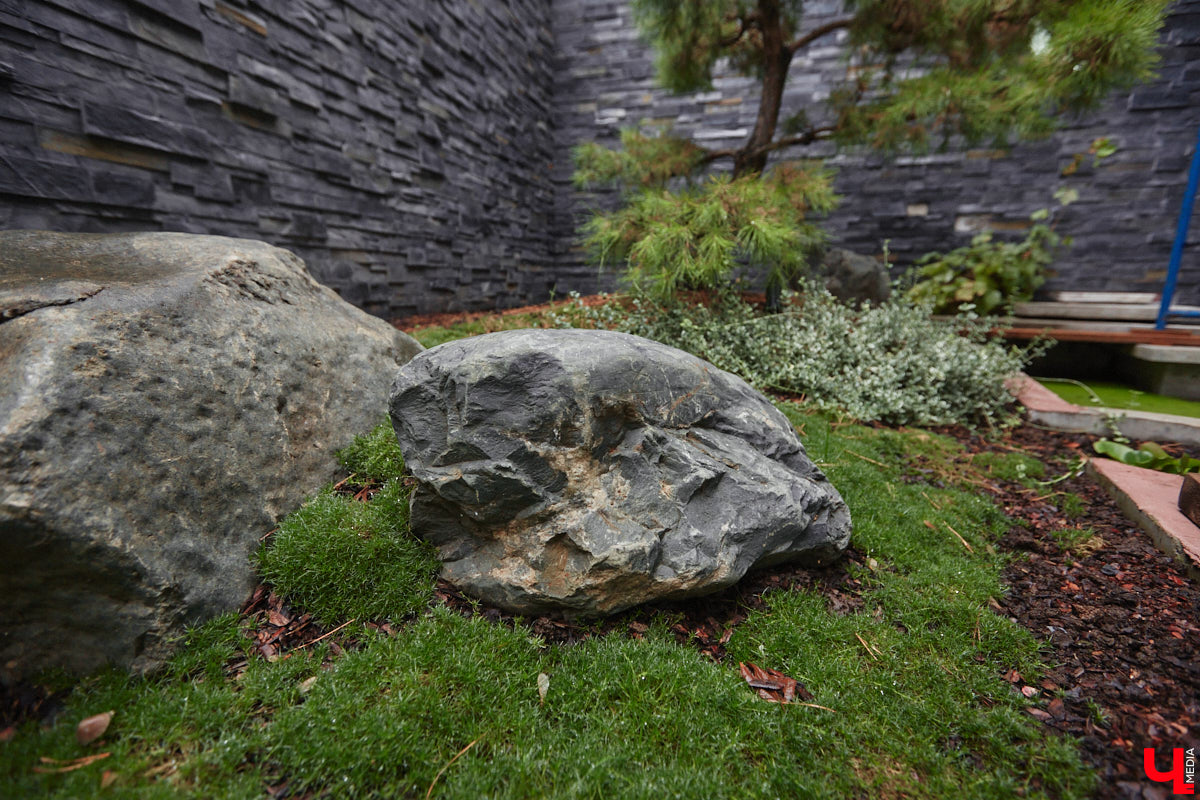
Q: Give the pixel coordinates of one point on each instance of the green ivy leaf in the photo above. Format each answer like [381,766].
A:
[1066,195]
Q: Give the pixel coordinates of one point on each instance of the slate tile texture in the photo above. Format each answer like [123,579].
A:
[433,140]
[303,123]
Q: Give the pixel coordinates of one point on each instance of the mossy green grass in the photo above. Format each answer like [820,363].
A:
[908,696]
[342,559]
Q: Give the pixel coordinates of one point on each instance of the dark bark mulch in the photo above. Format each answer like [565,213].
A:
[1120,621]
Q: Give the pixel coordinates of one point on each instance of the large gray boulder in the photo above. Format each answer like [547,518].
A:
[164,399]
[589,471]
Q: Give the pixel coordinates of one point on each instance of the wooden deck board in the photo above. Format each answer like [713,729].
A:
[1170,336]
[1112,312]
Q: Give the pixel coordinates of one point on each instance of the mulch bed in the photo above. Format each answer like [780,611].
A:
[447,319]
[1119,624]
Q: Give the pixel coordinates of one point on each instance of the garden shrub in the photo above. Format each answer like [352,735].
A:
[893,363]
[987,276]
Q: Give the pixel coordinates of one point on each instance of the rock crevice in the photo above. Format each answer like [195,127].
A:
[15,303]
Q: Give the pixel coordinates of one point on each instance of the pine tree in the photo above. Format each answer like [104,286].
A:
[926,73]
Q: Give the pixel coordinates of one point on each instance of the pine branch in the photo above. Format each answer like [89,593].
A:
[715,155]
[807,137]
[730,41]
[746,23]
[818,32]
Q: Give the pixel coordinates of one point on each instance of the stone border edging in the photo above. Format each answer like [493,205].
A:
[1151,500]
[1046,408]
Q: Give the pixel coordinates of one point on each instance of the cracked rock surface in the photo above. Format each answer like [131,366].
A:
[164,399]
[590,471]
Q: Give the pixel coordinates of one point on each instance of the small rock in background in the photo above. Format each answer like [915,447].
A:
[590,471]
[851,277]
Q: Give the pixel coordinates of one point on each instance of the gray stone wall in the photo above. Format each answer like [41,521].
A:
[403,149]
[416,154]
[1122,226]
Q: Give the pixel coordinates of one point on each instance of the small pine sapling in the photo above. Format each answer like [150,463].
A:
[922,74]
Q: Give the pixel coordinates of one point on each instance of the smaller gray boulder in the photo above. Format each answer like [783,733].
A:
[854,278]
[590,471]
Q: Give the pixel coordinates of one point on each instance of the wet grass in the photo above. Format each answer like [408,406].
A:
[1105,394]
[908,695]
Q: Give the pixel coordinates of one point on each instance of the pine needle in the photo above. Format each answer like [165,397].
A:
[449,763]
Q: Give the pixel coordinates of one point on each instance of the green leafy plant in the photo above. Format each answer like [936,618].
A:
[891,362]
[921,74]
[1079,541]
[988,276]
[1074,470]
[1150,455]
[1100,149]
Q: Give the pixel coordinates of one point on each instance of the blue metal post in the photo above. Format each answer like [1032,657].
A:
[1181,232]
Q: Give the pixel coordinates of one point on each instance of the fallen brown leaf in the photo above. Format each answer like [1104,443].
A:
[773,686]
[92,728]
[1057,708]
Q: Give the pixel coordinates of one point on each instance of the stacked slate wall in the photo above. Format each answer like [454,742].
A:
[403,149]
[1122,226]
[416,154]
